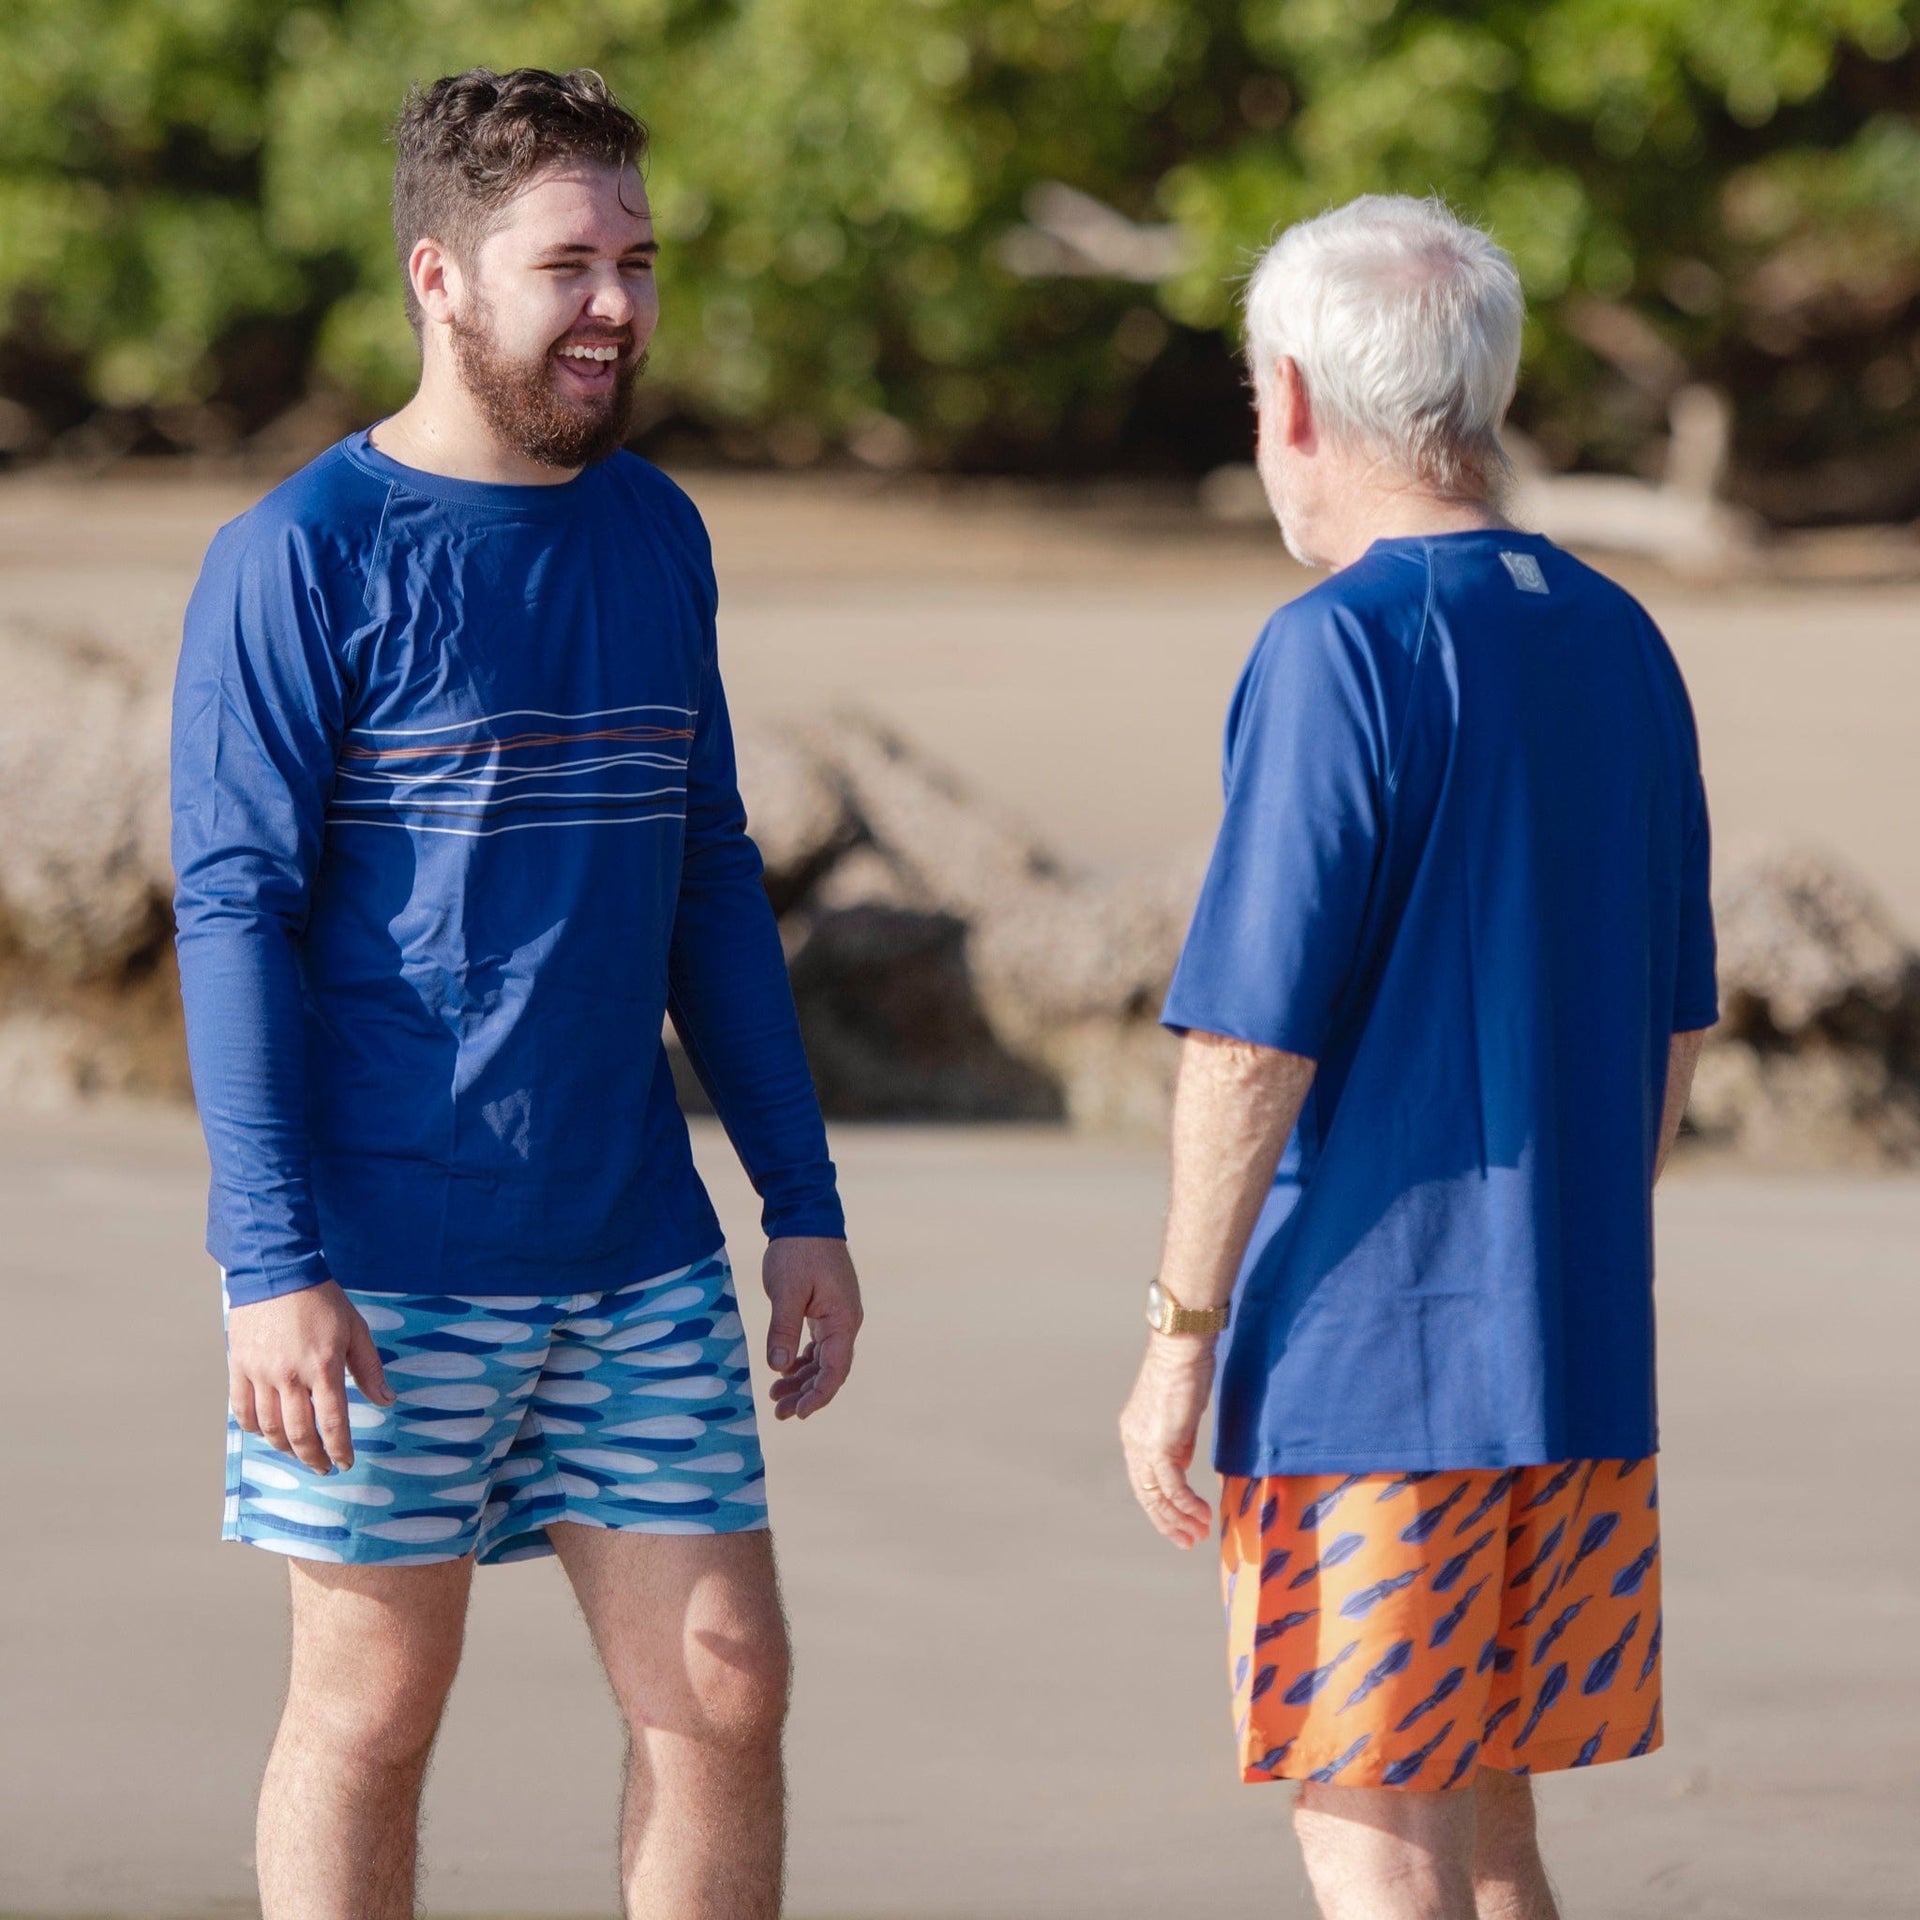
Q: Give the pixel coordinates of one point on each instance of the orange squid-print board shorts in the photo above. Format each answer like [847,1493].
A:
[1402,1630]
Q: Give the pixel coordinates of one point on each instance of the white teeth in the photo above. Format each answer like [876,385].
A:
[590,353]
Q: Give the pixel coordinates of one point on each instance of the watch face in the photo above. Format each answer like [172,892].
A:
[1157,1304]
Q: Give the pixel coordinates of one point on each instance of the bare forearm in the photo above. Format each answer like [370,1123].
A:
[1683,1055]
[1233,1109]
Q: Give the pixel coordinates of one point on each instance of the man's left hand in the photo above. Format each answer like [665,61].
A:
[1159,1429]
[812,1285]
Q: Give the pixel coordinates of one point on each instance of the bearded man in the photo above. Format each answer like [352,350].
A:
[456,827]
[1442,999]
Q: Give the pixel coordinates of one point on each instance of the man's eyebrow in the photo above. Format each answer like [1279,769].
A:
[582,248]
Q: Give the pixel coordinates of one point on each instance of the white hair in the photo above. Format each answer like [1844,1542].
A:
[1405,324]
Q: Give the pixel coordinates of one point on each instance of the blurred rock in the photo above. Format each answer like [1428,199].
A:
[43,1059]
[866,877]
[84,878]
[894,1029]
[796,811]
[945,963]
[1816,1061]
[1802,941]
[1068,972]
[1824,1106]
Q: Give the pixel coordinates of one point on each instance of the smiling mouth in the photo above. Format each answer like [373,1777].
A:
[599,355]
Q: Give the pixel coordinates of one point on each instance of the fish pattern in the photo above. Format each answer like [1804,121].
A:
[1356,1606]
[1336,1554]
[1464,1759]
[629,1408]
[1456,1564]
[1443,1628]
[1542,1582]
[1406,1770]
[1273,1629]
[1393,1661]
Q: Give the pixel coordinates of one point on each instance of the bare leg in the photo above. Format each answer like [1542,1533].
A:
[1385,1853]
[374,1653]
[691,1634]
[1509,1877]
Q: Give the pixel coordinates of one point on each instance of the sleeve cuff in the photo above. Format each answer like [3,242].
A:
[1282,1037]
[246,1286]
[820,1218]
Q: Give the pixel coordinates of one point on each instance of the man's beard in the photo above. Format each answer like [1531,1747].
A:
[523,408]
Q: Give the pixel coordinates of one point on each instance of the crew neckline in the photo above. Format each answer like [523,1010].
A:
[499,494]
[1506,535]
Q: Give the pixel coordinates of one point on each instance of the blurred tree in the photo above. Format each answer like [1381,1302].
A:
[862,252]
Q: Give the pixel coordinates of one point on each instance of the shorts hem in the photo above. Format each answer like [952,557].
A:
[535,1543]
[324,1555]
[504,1550]
[1553,1756]
[1298,1767]
[1561,1756]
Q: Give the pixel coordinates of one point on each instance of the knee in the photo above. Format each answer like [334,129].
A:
[376,1714]
[740,1691]
[726,1694]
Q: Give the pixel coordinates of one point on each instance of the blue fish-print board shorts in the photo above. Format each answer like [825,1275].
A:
[629,1409]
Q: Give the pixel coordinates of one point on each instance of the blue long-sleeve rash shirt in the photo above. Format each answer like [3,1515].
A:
[456,827]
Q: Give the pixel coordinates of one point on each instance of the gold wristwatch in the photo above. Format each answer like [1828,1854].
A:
[1165,1314]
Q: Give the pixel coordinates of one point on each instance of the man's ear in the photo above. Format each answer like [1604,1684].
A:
[435,277]
[1293,408]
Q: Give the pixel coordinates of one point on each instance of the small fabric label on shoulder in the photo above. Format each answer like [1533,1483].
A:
[1525,570]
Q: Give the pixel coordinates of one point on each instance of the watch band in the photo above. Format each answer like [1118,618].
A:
[1165,1314]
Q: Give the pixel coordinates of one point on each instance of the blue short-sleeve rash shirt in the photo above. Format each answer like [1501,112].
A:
[1464,867]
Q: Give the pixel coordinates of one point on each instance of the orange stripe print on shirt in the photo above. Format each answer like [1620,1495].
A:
[514,742]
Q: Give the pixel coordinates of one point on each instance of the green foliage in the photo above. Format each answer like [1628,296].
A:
[193,207]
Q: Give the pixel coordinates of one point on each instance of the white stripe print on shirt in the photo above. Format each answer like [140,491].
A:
[522,768]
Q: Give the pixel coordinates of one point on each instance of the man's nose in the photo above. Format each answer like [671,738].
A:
[611,299]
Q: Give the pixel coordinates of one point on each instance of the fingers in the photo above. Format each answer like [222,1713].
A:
[332,1425]
[240,1400]
[1173,1506]
[833,1361]
[1159,1427]
[301,1429]
[285,1416]
[789,1305]
[794,1385]
[363,1362]
[267,1405]
[817,1374]
[287,1363]
[811,1287]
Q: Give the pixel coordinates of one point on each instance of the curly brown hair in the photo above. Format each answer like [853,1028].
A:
[469,142]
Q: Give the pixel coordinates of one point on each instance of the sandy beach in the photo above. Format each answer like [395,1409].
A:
[1011,1697]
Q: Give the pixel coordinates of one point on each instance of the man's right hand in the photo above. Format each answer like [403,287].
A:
[287,1362]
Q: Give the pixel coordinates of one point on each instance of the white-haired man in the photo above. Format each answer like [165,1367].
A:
[1442,1000]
